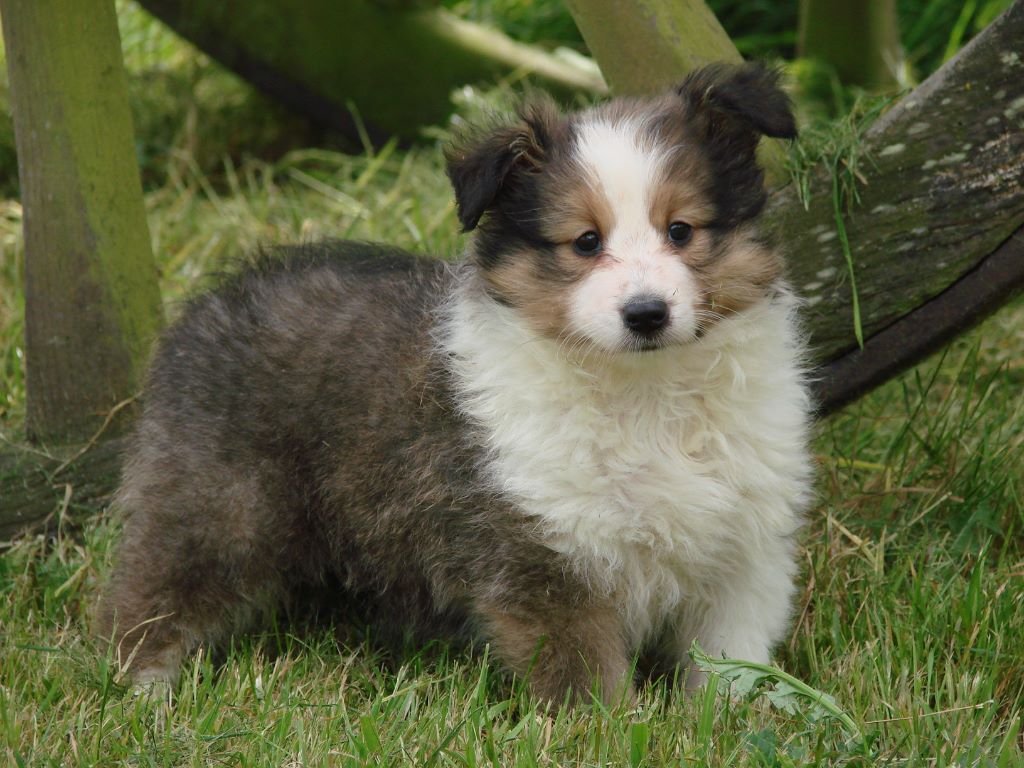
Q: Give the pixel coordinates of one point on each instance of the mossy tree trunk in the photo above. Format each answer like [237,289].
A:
[649,45]
[92,302]
[936,242]
[860,39]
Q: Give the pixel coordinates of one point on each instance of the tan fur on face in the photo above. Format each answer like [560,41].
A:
[738,275]
[575,204]
[541,298]
[677,194]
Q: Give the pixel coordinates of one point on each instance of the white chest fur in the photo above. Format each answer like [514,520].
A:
[662,475]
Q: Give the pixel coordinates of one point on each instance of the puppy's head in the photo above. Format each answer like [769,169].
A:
[629,226]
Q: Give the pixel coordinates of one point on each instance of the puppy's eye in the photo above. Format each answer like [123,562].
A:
[587,244]
[679,233]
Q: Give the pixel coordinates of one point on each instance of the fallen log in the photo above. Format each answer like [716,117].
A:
[925,329]
[931,242]
[397,68]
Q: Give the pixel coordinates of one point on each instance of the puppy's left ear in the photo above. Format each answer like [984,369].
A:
[739,99]
[729,108]
[481,163]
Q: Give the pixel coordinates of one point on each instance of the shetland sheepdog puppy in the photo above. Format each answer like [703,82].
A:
[584,443]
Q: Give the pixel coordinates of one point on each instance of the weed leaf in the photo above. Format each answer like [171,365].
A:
[786,693]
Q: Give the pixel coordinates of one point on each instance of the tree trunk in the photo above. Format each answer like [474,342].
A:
[650,45]
[859,38]
[92,302]
[996,279]
[396,67]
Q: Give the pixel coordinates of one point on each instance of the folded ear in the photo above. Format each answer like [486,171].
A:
[482,162]
[728,108]
[740,99]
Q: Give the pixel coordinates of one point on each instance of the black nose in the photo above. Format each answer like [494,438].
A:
[645,316]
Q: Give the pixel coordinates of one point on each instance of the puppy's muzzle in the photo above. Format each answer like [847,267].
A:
[645,316]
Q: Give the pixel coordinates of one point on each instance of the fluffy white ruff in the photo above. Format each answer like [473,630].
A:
[674,479]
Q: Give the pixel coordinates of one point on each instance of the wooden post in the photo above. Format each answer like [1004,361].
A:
[860,38]
[92,301]
[649,45]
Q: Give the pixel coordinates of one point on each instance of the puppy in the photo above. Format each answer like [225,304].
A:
[586,441]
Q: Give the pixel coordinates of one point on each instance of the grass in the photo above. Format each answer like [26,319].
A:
[910,621]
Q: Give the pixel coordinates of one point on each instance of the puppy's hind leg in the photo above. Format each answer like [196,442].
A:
[192,568]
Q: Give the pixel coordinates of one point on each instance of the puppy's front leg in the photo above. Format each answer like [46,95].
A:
[561,651]
[747,616]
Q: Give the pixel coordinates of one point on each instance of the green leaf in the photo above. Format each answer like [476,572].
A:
[639,738]
[371,738]
[858,328]
[785,697]
[788,694]
[736,677]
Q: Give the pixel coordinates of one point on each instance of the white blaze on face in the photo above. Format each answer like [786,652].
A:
[637,261]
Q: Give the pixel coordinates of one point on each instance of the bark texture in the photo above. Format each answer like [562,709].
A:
[944,190]
[992,283]
[92,302]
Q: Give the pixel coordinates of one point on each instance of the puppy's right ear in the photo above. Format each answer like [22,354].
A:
[482,163]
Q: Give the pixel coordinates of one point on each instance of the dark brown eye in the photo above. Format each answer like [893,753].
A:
[587,244]
[679,233]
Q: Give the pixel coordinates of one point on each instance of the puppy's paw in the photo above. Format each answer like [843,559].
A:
[154,699]
[153,692]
